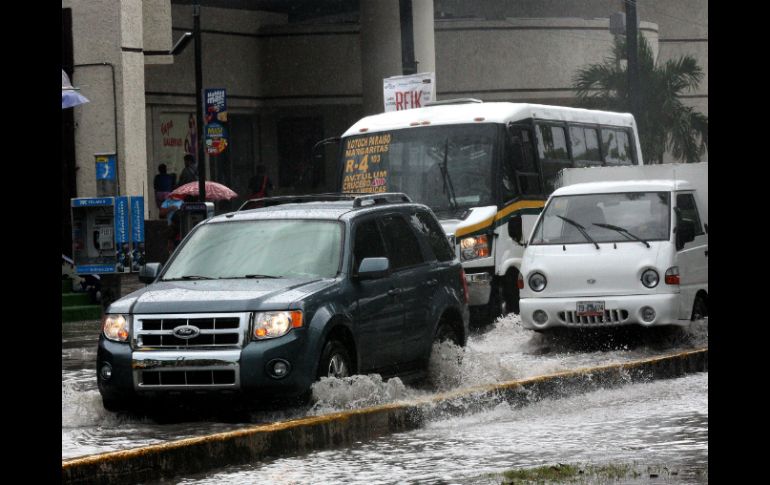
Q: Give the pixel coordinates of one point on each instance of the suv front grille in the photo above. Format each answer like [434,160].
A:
[187,378]
[217,331]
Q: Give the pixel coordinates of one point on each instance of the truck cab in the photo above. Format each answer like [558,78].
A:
[618,252]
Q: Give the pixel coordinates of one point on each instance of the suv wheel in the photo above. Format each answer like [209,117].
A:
[444,332]
[335,361]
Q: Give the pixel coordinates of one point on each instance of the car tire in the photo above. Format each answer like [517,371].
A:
[446,331]
[700,308]
[335,361]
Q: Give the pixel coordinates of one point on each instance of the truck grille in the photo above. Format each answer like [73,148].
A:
[209,331]
[610,316]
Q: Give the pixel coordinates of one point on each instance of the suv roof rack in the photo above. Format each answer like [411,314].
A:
[357,197]
[453,101]
[381,198]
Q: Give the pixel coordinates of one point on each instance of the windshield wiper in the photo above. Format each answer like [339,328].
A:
[261,276]
[623,231]
[581,229]
[448,187]
[190,277]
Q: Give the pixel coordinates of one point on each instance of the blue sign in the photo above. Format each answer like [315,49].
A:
[105,167]
[121,220]
[137,218]
[95,268]
[92,202]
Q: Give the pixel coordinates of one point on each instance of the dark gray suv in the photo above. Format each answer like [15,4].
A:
[261,303]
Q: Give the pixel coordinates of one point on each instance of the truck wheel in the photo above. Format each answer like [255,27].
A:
[700,308]
[487,314]
[335,361]
[511,292]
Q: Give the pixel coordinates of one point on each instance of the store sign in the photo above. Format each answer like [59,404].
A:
[177,138]
[406,92]
[216,117]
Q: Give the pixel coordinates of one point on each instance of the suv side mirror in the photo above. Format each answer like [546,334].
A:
[515,229]
[372,268]
[685,232]
[149,272]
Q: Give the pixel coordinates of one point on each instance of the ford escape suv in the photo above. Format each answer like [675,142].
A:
[261,303]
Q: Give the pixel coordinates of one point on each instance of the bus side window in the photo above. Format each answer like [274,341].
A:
[616,146]
[521,161]
[552,148]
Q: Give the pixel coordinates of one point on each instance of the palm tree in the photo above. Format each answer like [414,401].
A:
[664,123]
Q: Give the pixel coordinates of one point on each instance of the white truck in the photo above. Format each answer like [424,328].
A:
[619,245]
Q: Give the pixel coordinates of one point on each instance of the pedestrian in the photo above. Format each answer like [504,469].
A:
[163,183]
[190,171]
[260,184]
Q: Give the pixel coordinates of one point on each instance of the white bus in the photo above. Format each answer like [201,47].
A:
[486,170]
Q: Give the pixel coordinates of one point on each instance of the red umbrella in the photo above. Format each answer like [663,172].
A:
[214,191]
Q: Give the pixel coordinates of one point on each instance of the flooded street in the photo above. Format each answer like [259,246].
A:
[504,352]
[663,424]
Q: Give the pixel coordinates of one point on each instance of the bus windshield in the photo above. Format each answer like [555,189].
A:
[448,168]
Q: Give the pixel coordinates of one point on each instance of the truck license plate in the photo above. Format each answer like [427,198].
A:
[590,308]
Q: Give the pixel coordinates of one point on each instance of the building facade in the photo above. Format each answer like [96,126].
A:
[296,73]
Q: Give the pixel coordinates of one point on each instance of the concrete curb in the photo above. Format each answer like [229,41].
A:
[253,443]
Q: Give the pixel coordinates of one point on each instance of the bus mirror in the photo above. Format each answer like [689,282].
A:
[515,229]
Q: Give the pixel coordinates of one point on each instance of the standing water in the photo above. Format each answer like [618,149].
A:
[506,351]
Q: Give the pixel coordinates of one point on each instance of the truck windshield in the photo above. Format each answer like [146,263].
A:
[619,217]
[259,249]
[447,167]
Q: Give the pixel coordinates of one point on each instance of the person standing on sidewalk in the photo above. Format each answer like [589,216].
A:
[190,171]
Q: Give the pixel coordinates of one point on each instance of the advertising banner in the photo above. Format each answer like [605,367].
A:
[177,138]
[406,92]
[137,232]
[216,117]
[123,255]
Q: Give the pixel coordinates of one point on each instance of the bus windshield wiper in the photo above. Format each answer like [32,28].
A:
[623,231]
[448,187]
[261,276]
[581,229]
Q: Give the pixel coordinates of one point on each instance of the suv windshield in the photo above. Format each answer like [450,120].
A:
[447,167]
[623,217]
[259,249]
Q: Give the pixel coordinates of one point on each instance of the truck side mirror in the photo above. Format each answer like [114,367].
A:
[515,229]
[149,272]
[685,232]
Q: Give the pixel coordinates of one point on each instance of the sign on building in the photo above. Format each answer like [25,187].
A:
[216,117]
[406,92]
[177,139]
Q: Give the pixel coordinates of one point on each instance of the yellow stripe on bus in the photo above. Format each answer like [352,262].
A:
[522,204]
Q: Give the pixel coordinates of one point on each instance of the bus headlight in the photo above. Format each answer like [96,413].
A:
[474,247]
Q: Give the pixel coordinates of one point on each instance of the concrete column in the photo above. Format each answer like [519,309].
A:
[110,33]
[380,50]
[424,43]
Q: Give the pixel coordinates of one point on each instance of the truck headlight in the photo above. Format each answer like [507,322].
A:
[650,278]
[537,281]
[474,247]
[115,327]
[275,324]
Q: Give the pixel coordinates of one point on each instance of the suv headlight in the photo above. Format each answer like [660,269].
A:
[474,247]
[115,327]
[275,324]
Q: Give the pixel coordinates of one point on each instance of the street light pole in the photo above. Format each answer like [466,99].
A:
[199,102]
[632,53]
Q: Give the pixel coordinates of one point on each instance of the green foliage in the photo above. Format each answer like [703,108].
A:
[664,122]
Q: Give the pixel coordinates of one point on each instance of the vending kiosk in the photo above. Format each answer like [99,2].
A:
[103,234]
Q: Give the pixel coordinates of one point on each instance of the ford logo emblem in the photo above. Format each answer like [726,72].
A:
[186,331]
[591,281]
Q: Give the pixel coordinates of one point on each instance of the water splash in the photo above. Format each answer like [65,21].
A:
[334,394]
